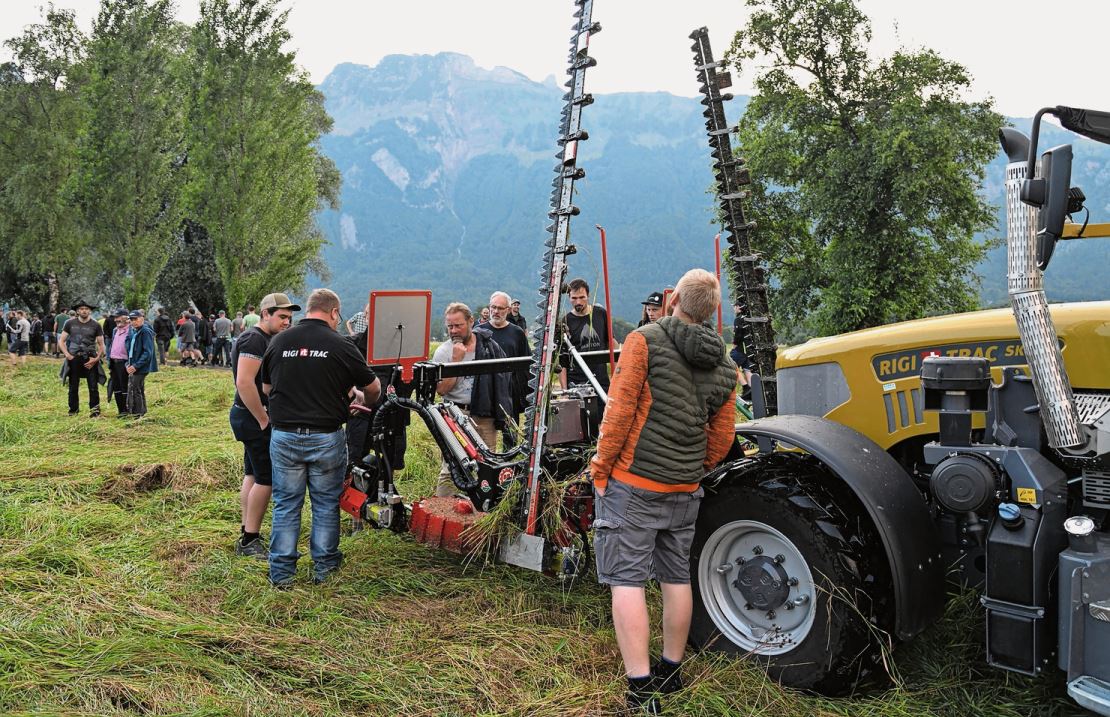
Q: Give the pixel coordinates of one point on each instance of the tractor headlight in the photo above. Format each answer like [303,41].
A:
[812,390]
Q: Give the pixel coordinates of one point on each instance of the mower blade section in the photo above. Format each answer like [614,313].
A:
[746,273]
[554,269]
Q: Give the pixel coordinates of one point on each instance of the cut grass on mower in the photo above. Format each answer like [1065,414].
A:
[120,595]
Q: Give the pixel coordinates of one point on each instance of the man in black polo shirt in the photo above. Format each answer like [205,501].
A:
[311,373]
[251,424]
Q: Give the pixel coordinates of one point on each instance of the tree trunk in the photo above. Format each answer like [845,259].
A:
[54,292]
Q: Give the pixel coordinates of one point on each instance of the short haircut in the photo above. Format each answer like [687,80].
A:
[576,284]
[494,295]
[223,313]
[250,308]
[699,294]
[458,307]
[321,300]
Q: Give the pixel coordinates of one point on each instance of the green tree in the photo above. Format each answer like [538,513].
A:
[40,119]
[132,147]
[866,173]
[256,175]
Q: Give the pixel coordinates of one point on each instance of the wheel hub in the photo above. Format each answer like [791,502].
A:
[763,583]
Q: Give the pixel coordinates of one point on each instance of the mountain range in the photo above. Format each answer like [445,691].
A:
[446,181]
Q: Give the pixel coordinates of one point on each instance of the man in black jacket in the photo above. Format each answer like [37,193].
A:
[487,399]
[163,333]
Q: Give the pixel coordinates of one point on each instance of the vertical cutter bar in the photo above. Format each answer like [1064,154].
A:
[748,278]
[555,266]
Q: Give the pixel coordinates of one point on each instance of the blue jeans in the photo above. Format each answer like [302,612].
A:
[317,462]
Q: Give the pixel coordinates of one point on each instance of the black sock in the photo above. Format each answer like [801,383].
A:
[248,537]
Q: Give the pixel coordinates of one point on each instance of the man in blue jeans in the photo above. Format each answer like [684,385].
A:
[311,375]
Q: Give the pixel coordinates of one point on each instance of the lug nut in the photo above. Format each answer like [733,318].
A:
[747,606]
[758,550]
[789,606]
[780,559]
[792,582]
[771,615]
[740,561]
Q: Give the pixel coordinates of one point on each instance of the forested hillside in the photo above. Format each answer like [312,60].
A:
[446,169]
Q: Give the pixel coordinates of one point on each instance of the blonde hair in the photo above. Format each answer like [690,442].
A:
[322,301]
[458,307]
[699,294]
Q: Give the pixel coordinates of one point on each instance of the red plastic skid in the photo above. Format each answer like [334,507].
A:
[352,501]
[437,522]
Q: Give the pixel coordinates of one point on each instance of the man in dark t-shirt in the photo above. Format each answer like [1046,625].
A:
[513,342]
[311,373]
[82,343]
[251,424]
[588,330]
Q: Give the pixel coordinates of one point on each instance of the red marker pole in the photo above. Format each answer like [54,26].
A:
[608,310]
[717,255]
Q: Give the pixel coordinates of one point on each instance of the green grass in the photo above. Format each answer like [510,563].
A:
[120,595]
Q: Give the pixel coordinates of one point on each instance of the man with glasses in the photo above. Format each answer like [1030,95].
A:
[513,342]
[142,358]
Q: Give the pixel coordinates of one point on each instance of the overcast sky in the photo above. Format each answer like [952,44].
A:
[644,44]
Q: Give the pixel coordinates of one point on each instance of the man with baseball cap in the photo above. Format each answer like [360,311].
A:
[250,421]
[653,308]
[116,343]
[141,360]
[515,316]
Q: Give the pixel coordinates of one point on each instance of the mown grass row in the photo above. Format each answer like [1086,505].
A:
[120,595]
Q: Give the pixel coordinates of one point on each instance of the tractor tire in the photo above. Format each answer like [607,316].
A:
[787,568]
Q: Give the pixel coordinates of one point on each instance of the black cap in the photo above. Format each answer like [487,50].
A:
[136,313]
[655,298]
[119,312]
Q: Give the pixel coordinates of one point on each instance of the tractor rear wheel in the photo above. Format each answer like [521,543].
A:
[786,568]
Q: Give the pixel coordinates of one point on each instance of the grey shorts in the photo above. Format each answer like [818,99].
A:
[186,346]
[640,534]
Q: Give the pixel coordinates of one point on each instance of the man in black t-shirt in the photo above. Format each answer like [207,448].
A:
[513,342]
[311,373]
[163,333]
[82,343]
[515,317]
[588,329]
[251,424]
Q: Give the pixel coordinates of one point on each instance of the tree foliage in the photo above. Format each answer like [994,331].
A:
[866,173]
[255,175]
[132,145]
[151,139]
[40,118]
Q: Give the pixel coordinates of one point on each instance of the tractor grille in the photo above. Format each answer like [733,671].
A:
[1091,405]
[1096,489]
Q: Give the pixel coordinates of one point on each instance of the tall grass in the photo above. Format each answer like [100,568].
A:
[120,595]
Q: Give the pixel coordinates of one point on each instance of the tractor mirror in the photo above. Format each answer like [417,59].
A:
[1089,123]
[1056,177]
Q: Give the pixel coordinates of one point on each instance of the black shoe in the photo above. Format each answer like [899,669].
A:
[283,585]
[642,697]
[74,413]
[253,549]
[643,703]
[94,412]
[666,677]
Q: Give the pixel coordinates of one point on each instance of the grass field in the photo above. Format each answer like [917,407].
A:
[120,595]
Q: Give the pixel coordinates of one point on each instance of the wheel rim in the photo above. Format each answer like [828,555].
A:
[759,615]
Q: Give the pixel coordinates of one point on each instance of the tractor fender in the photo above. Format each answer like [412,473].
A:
[896,507]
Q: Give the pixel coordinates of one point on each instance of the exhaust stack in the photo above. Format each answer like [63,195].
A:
[1025,283]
